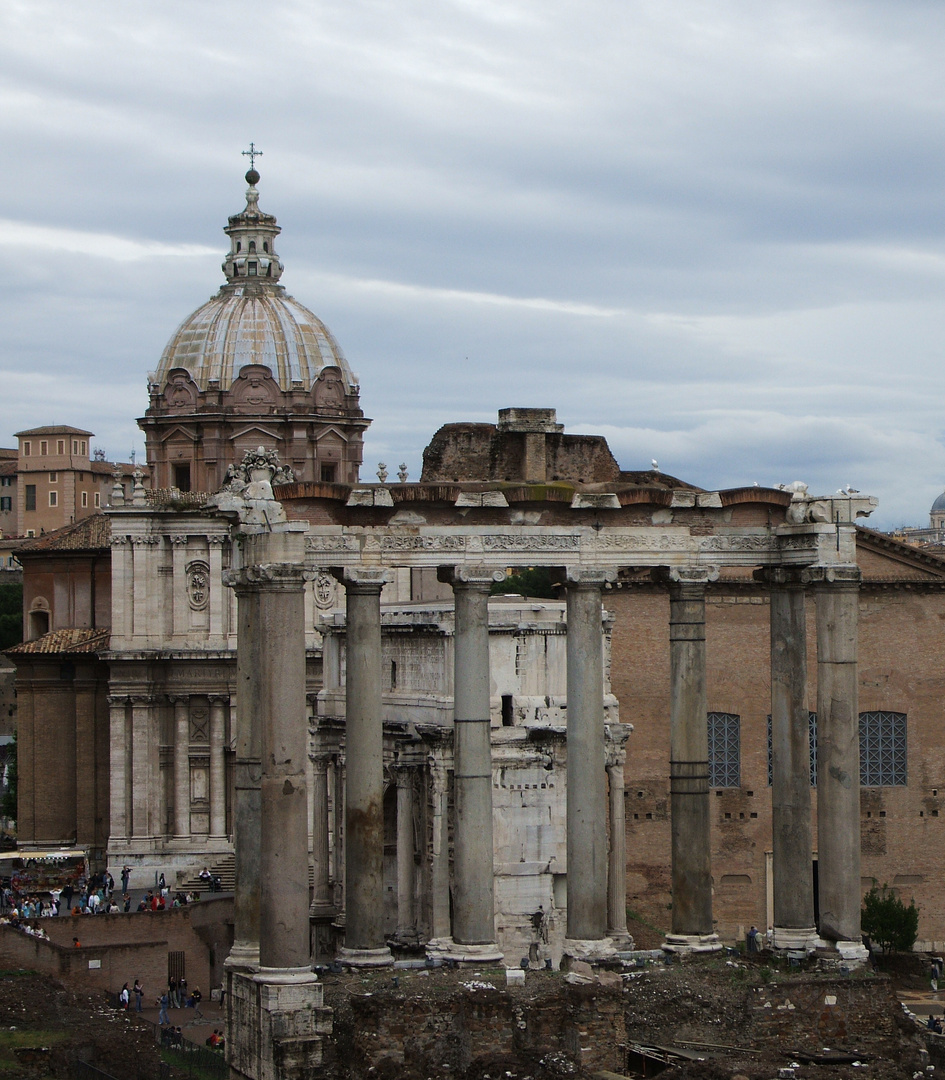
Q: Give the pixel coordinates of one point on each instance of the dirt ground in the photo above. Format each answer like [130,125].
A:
[748,1018]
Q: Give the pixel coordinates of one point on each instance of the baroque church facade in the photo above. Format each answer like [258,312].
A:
[137,678]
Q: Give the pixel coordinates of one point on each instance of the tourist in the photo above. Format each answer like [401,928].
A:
[753,940]
[164,1001]
[172,990]
[138,991]
[127,902]
[76,944]
[125,878]
[124,997]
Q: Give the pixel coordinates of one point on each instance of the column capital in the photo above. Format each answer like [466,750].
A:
[587,577]
[178,699]
[320,760]
[217,539]
[470,577]
[782,577]
[219,699]
[116,700]
[687,575]
[265,577]
[361,578]
[179,539]
[833,577]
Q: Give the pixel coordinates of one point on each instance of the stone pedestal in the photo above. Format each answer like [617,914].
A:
[838,754]
[692,926]
[364,785]
[790,763]
[280,1022]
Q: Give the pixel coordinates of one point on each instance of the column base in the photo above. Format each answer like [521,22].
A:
[591,950]
[851,952]
[448,949]
[803,939]
[365,958]
[622,939]
[296,976]
[243,958]
[684,944]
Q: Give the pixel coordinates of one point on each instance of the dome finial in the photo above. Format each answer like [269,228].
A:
[252,153]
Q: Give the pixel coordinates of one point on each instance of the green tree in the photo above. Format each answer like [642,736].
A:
[11,614]
[887,920]
[529,581]
[8,799]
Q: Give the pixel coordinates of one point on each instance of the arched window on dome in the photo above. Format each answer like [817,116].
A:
[239,245]
[252,247]
[266,246]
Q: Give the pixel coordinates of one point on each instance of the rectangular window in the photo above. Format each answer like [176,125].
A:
[43,447]
[85,498]
[30,532]
[60,446]
[6,502]
[6,481]
[75,446]
[27,449]
[98,498]
[54,478]
[82,448]
[252,269]
[812,736]
[724,750]
[328,473]
[54,498]
[30,496]
[883,749]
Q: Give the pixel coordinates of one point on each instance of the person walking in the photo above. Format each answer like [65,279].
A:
[163,1018]
[124,997]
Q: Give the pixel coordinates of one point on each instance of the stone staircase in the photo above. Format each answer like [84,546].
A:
[225,870]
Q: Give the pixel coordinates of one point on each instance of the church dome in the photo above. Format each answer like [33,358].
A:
[252,320]
[938,507]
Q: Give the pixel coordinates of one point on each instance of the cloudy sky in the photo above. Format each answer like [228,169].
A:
[712,231]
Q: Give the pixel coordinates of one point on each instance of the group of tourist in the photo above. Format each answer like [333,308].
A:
[173,996]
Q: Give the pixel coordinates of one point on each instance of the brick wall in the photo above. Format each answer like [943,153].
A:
[129,947]
[902,637]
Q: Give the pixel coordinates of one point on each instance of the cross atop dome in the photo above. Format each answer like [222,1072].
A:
[252,153]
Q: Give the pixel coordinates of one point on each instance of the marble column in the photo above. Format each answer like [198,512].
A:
[218,711]
[284,942]
[790,764]
[617,861]
[692,926]
[440,856]
[119,787]
[364,782]
[406,918]
[244,955]
[216,603]
[586,776]
[180,618]
[322,901]
[473,878]
[181,703]
[838,757]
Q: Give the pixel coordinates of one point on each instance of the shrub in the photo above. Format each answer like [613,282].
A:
[887,920]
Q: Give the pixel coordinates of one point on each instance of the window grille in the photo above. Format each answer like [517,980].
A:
[724,750]
[812,737]
[883,749]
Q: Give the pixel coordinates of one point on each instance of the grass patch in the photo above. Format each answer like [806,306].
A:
[10,1041]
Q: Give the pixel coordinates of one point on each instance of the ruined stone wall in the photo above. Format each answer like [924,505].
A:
[390,1031]
[902,633]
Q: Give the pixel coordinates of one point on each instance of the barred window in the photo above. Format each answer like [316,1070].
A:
[883,749]
[812,737]
[724,750]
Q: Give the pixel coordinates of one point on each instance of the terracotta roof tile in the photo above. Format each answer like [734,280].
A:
[93,533]
[71,640]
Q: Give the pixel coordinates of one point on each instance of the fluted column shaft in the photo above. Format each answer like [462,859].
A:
[838,755]
[118,768]
[617,863]
[321,898]
[218,710]
[406,921]
[689,757]
[181,767]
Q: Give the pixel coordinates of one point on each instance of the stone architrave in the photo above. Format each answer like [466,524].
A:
[692,926]
[838,757]
[792,858]
[586,770]
[364,783]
